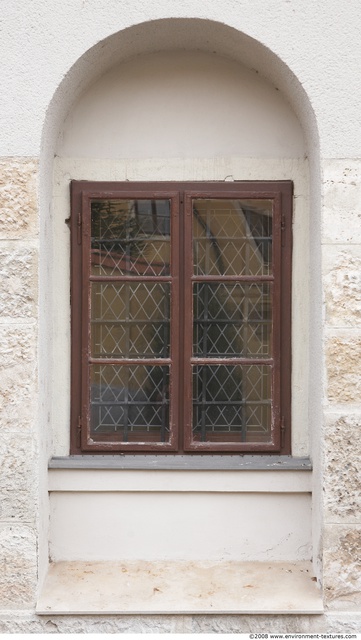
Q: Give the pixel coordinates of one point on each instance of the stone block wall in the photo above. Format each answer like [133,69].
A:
[341,480]
[24,622]
[18,382]
[341,256]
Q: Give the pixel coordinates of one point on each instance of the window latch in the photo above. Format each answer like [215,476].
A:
[78,432]
[283,229]
[78,228]
[283,432]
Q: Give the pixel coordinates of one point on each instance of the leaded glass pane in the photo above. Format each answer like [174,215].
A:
[130,237]
[130,403]
[232,237]
[130,319]
[232,403]
[232,319]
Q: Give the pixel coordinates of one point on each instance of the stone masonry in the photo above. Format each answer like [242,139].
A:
[18,382]
[342,405]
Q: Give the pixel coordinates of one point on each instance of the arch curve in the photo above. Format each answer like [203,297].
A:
[177,34]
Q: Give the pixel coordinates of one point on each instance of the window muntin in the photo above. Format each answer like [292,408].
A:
[184,297]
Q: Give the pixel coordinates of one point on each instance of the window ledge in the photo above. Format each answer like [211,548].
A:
[179,462]
[143,587]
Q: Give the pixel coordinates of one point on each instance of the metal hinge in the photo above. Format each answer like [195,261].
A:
[283,229]
[78,432]
[78,225]
[283,432]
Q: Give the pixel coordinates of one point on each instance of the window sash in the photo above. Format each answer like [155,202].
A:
[181,359]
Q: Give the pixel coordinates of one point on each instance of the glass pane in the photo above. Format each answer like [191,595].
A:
[130,319]
[130,403]
[130,237]
[232,403]
[232,237]
[232,320]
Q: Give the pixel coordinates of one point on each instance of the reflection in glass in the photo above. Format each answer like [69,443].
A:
[130,403]
[232,237]
[232,403]
[130,237]
[232,319]
[130,319]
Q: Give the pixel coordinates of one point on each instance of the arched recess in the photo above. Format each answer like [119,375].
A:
[180,37]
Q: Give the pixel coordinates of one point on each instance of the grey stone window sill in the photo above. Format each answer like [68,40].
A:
[179,462]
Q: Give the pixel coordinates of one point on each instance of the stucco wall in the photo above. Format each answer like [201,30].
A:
[312,55]
[181,105]
[180,116]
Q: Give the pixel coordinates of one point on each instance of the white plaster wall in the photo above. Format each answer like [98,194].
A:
[320,44]
[180,526]
[180,515]
[181,105]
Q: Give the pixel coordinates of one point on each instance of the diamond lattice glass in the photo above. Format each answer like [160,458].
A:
[232,403]
[231,319]
[130,403]
[232,237]
[130,319]
[130,237]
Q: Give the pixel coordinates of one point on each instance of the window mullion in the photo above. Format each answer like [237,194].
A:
[188,320]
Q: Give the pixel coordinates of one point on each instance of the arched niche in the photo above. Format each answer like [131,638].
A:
[177,34]
[180,104]
[174,99]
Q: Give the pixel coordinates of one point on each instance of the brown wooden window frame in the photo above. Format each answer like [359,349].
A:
[181,195]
